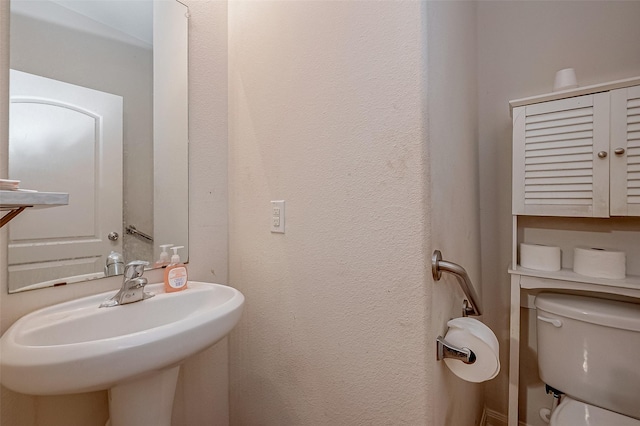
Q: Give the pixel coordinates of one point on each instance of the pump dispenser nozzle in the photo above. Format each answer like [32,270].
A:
[176,257]
[164,256]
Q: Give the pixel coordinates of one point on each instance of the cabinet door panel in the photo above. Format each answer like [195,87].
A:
[556,168]
[625,151]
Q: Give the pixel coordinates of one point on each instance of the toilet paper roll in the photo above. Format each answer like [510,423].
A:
[472,334]
[540,257]
[599,262]
[565,79]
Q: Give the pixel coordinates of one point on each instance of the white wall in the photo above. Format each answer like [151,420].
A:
[454,203]
[520,47]
[328,111]
[201,397]
[325,107]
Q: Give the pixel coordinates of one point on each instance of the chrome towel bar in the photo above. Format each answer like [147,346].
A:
[470,306]
[133,231]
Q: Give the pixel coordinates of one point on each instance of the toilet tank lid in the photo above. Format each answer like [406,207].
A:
[610,313]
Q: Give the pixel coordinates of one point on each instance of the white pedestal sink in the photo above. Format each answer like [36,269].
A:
[133,350]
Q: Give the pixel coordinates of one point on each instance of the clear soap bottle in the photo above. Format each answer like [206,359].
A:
[175,274]
[165,259]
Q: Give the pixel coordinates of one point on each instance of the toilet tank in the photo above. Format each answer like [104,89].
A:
[589,348]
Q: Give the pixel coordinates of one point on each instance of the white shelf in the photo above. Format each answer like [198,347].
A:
[10,200]
[566,279]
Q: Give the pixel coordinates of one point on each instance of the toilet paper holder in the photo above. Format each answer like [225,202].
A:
[470,305]
[447,350]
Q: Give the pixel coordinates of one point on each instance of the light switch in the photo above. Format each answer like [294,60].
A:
[277,216]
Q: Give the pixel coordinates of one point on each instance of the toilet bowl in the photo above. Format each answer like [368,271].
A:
[573,413]
[588,349]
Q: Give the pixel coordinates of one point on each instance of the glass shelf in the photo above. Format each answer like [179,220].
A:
[15,202]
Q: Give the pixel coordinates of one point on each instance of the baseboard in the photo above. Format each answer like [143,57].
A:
[493,418]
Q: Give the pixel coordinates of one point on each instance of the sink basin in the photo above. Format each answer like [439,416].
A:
[78,347]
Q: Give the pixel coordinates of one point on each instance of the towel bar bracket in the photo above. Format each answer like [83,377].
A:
[470,305]
[132,230]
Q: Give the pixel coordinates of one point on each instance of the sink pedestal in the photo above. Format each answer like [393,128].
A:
[147,401]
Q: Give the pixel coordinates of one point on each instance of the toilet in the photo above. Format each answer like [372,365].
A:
[589,349]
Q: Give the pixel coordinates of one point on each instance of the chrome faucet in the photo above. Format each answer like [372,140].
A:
[114,264]
[132,289]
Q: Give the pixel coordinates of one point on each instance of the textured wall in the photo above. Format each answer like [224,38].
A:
[327,111]
[521,45]
[201,397]
[454,203]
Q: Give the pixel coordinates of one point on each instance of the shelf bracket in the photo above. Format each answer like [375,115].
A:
[12,213]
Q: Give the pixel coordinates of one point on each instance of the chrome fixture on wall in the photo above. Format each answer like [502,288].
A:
[470,307]
[132,230]
[447,350]
[470,304]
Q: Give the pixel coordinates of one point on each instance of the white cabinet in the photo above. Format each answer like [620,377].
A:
[625,152]
[578,156]
[576,181]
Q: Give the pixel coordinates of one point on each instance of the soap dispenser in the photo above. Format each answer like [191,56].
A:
[175,274]
[165,259]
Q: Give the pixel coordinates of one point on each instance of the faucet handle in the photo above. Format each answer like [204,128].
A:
[135,269]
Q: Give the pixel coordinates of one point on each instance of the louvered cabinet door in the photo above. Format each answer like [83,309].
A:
[625,152]
[560,157]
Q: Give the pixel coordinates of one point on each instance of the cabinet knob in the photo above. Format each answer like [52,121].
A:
[602,154]
[619,151]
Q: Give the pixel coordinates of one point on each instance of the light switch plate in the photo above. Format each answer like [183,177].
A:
[277,216]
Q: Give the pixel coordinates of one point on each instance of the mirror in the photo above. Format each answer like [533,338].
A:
[98,110]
